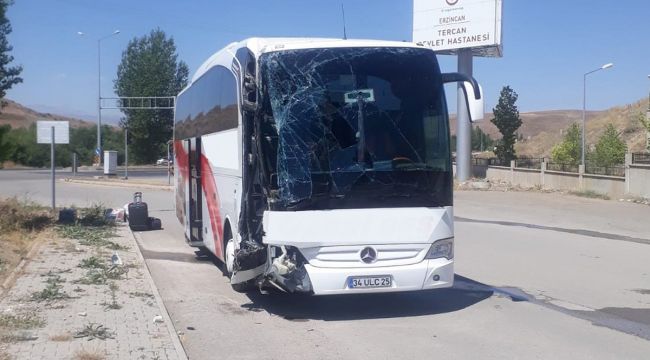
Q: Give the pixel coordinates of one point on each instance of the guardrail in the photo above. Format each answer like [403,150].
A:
[618,170]
[641,158]
[529,163]
[550,166]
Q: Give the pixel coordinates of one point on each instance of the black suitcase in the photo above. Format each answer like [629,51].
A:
[155,223]
[138,214]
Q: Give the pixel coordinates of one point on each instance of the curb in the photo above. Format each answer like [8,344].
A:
[178,346]
[120,184]
[11,279]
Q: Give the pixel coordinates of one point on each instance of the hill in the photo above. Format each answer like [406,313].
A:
[624,118]
[543,129]
[19,116]
[533,123]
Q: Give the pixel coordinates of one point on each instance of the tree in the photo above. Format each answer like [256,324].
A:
[150,67]
[5,145]
[9,75]
[568,151]
[481,140]
[506,119]
[645,122]
[610,149]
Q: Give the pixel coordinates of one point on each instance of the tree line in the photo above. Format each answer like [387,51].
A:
[19,146]
[608,151]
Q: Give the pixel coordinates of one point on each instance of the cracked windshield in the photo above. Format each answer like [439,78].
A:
[315,180]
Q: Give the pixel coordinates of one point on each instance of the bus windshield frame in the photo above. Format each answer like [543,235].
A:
[354,128]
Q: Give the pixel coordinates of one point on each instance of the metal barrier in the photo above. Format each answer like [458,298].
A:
[550,166]
[618,170]
[641,158]
[529,163]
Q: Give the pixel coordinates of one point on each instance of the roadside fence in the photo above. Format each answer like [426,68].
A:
[641,158]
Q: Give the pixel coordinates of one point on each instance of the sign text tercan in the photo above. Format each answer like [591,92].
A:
[449,25]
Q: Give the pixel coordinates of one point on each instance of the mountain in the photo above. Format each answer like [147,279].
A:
[624,118]
[541,130]
[533,123]
[19,116]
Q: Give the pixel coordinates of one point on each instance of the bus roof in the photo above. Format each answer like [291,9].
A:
[260,46]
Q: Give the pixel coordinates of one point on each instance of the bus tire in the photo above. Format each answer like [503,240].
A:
[245,287]
[228,256]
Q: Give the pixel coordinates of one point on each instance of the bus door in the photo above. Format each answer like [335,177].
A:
[195,210]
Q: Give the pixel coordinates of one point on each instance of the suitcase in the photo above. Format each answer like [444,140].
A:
[155,223]
[138,214]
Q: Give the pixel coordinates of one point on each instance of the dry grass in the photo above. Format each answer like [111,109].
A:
[589,194]
[22,321]
[61,337]
[83,354]
[22,223]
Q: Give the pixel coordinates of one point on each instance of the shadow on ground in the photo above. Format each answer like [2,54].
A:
[464,294]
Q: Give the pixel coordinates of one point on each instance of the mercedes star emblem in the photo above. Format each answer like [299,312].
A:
[368,255]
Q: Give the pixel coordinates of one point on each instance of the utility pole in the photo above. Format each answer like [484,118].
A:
[52,157]
[463,126]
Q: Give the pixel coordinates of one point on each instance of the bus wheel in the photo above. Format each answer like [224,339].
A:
[229,259]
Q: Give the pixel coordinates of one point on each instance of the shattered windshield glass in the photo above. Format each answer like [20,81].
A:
[350,121]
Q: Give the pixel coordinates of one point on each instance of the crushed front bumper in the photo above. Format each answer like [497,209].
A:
[419,276]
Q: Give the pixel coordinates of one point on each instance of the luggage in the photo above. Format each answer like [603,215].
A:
[138,214]
[155,223]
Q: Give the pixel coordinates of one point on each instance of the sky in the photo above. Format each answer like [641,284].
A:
[548,45]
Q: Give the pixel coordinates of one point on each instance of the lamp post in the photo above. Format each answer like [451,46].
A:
[99,91]
[584,106]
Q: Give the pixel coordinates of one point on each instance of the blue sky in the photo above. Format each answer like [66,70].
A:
[548,44]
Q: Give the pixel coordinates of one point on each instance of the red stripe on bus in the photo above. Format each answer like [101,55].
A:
[212,199]
[181,158]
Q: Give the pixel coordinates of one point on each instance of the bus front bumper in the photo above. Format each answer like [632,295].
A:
[425,275]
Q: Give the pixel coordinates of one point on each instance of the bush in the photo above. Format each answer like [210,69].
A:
[23,215]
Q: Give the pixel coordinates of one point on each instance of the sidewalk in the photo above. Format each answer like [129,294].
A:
[71,302]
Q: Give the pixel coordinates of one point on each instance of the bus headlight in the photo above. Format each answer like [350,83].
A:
[442,249]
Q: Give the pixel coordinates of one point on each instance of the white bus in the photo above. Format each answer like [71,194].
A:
[320,166]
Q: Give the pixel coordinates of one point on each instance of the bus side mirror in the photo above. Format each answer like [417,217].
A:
[475,105]
[473,93]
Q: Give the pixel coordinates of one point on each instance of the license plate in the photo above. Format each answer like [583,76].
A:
[370,282]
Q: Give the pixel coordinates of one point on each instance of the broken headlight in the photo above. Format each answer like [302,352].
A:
[442,249]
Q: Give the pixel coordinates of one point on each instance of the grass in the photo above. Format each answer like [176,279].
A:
[141,294]
[113,305]
[93,216]
[589,194]
[13,328]
[53,290]
[23,215]
[88,355]
[22,223]
[24,321]
[65,336]
[101,276]
[91,235]
[94,331]
[92,262]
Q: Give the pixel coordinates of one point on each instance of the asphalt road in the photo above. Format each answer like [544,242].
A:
[538,276]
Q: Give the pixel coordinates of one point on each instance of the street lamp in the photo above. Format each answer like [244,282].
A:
[99,91]
[584,106]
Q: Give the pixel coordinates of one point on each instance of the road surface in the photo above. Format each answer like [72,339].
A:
[538,276]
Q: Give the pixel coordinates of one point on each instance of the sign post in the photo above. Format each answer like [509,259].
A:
[52,132]
[466,28]
[52,164]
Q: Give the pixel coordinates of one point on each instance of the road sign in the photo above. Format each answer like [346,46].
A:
[447,26]
[44,132]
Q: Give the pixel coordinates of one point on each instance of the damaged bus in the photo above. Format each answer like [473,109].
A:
[320,166]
